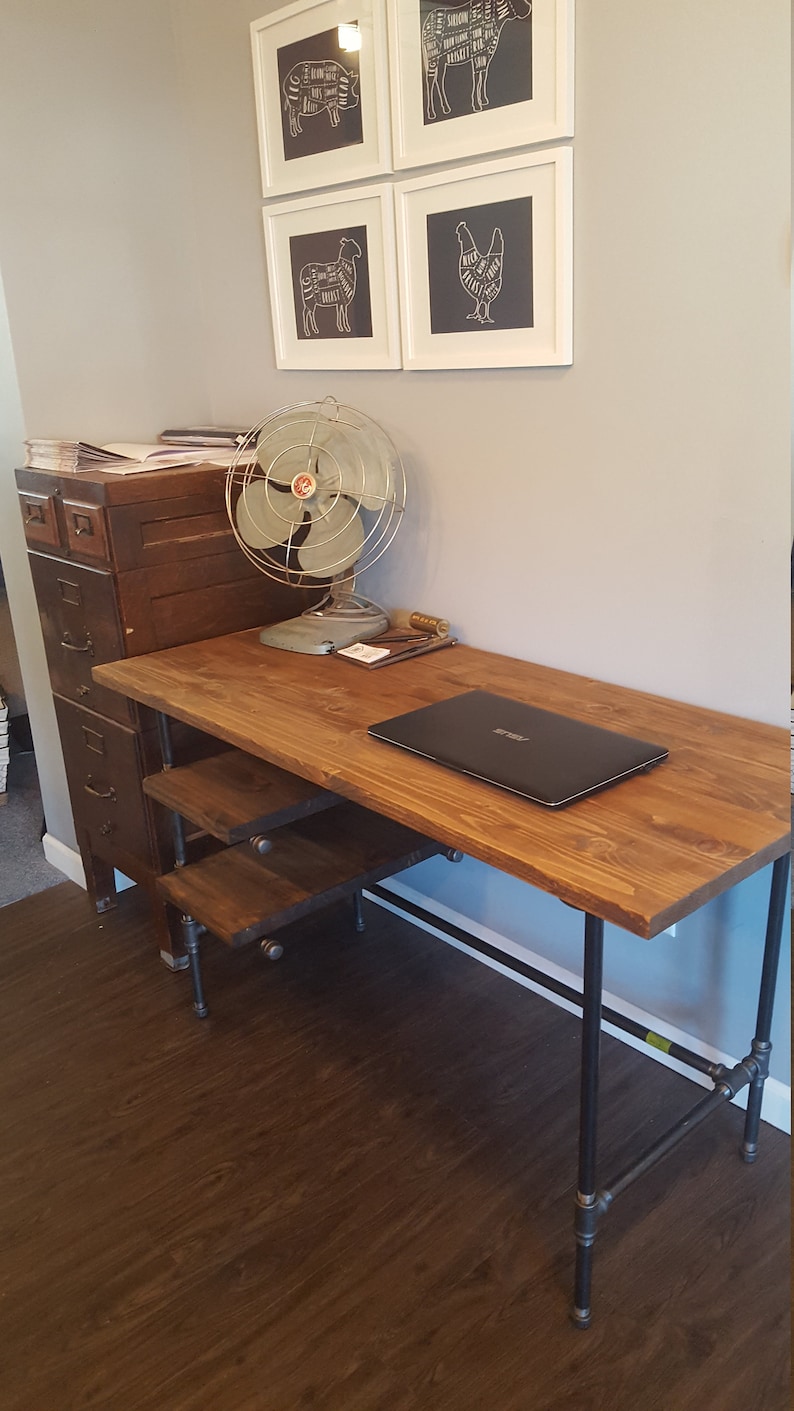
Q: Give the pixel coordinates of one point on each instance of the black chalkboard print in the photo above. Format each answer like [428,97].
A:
[475,56]
[320,96]
[479,261]
[330,284]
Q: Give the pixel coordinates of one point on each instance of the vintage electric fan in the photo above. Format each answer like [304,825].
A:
[315,493]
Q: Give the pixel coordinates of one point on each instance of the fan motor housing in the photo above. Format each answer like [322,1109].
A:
[303,485]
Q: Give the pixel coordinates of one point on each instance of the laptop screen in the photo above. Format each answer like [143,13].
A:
[548,758]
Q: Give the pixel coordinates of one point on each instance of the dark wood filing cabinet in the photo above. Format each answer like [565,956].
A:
[123,565]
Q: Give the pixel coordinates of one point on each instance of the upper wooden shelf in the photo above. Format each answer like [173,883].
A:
[233,795]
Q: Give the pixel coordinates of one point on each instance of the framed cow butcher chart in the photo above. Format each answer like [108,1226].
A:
[332,266]
[471,77]
[321,84]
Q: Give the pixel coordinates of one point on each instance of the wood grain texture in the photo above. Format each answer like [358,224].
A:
[643,854]
[167,603]
[234,795]
[239,896]
[78,610]
[104,487]
[345,1192]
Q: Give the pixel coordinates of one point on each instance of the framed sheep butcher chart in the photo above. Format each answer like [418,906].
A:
[471,77]
[321,84]
[333,285]
[485,258]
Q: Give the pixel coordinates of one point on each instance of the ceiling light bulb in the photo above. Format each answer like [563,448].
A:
[349,37]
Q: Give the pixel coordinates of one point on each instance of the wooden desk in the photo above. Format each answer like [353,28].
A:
[643,854]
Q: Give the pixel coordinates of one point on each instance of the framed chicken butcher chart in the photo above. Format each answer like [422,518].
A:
[471,77]
[333,283]
[321,85]
[485,259]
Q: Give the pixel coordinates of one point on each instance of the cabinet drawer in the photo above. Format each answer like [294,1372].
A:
[104,769]
[197,598]
[80,622]
[86,532]
[192,526]
[39,519]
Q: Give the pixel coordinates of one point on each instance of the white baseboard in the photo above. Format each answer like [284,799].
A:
[69,862]
[777,1095]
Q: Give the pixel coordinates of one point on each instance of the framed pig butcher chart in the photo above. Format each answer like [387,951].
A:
[332,266]
[471,77]
[321,85]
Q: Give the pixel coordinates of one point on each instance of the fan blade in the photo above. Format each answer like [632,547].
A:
[265,516]
[290,444]
[348,454]
[282,463]
[362,461]
[334,541]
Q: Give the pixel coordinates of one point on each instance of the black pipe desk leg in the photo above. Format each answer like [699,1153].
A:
[191,930]
[177,821]
[761,1047]
[586,1218]
[164,736]
[358,912]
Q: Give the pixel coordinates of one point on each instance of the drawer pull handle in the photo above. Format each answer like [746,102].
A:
[109,793]
[34,514]
[82,524]
[66,641]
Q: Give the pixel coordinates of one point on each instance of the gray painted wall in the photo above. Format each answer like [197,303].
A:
[103,337]
[627,517]
[97,220]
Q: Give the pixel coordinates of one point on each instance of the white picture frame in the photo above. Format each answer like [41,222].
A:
[322,107]
[470,237]
[332,266]
[529,65]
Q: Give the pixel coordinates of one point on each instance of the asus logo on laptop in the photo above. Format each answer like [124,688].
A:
[511,736]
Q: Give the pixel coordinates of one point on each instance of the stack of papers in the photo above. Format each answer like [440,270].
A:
[119,458]
[130,457]
[63,456]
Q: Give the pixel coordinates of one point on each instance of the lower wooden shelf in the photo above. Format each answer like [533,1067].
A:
[240,896]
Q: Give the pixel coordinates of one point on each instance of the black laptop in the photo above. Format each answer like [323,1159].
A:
[536,753]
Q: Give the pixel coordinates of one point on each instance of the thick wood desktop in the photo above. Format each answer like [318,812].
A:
[643,854]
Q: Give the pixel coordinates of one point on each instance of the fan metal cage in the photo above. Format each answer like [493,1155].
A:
[315,492]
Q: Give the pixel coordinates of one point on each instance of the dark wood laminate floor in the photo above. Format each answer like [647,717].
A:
[350,1189]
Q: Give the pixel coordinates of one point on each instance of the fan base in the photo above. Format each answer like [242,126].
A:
[317,635]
